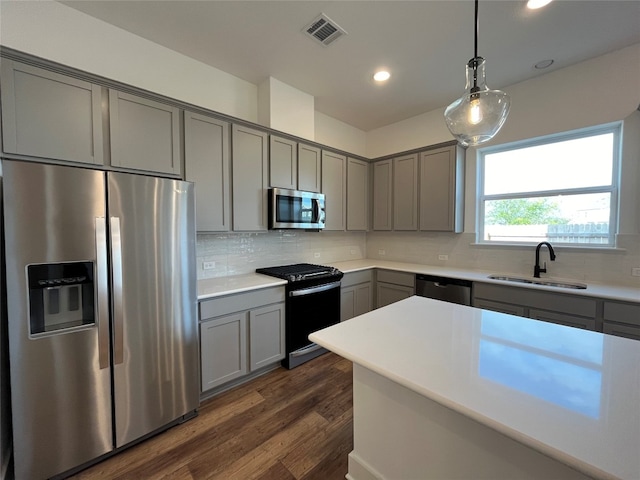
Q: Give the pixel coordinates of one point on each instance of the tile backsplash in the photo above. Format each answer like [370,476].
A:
[238,253]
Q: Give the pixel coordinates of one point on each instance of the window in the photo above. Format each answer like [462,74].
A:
[562,189]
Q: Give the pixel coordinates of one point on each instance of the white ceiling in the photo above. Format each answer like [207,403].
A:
[425,44]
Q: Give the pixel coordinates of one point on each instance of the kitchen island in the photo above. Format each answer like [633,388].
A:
[448,391]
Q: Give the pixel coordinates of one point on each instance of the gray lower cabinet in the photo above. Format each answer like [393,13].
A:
[622,319]
[356,294]
[283,163]
[334,186]
[48,115]
[570,310]
[382,195]
[250,175]
[206,151]
[442,189]
[145,134]
[239,334]
[405,192]
[309,168]
[357,194]
[392,286]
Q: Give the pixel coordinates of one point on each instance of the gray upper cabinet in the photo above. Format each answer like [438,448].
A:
[357,194]
[334,186]
[249,172]
[283,167]
[405,192]
[442,189]
[382,195]
[309,168]
[206,146]
[48,115]
[145,135]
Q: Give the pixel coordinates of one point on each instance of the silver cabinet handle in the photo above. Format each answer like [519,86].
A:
[118,310]
[102,291]
[308,349]
[312,290]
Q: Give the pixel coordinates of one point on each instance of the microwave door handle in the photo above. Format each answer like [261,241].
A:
[316,210]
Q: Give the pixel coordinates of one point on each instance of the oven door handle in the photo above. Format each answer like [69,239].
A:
[312,290]
[308,349]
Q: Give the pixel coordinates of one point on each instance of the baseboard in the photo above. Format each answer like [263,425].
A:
[361,470]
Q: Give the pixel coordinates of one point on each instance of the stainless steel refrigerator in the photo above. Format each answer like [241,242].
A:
[101,307]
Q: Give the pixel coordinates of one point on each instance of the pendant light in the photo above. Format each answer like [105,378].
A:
[479,114]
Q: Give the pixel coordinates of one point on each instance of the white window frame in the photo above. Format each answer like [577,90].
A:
[613,189]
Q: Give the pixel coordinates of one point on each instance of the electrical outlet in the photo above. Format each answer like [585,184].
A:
[316,255]
[208,265]
[443,257]
[381,252]
[635,272]
[353,251]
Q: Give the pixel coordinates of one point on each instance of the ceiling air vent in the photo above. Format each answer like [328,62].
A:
[324,30]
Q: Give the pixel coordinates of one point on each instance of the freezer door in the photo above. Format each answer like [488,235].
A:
[154,302]
[60,375]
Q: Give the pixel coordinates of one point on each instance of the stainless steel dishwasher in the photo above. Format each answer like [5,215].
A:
[451,290]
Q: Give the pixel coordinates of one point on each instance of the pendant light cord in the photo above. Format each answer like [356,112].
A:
[475,53]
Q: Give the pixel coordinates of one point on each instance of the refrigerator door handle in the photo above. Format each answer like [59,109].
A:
[118,310]
[102,283]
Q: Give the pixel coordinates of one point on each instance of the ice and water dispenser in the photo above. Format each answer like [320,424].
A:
[61,296]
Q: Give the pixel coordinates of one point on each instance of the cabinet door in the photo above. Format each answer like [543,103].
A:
[283,163]
[363,301]
[387,293]
[249,173]
[144,134]
[309,168]
[49,115]
[347,303]
[499,307]
[206,147]
[563,319]
[223,349]
[441,190]
[266,336]
[405,192]
[357,195]
[382,195]
[334,186]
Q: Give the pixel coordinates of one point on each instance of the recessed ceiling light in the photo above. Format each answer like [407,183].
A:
[381,76]
[543,64]
[535,4]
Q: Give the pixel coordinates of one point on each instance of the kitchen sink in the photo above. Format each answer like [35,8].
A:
[539,281]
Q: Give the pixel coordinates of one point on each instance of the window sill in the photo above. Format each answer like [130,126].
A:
[577,248]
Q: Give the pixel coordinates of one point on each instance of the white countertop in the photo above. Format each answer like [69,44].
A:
[569,393]
[218,286]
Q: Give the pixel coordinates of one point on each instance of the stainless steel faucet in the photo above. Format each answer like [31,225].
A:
[552,255]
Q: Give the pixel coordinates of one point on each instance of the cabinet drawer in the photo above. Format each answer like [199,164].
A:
[557,302]
[628,313]
[240,301]
[563,319]
[353,278]
[398,278]
[499,307]
[622,330]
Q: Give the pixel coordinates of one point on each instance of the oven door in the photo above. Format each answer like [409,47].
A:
[309,310]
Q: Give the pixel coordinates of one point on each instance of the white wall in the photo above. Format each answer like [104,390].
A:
[59,33]
[340,135]
[285,108]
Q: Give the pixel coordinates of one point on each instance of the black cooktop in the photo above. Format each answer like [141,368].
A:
[301,271]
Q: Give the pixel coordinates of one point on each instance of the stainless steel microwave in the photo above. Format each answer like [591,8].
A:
[296,209]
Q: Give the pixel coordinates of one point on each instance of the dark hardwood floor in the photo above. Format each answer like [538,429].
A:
[287,424]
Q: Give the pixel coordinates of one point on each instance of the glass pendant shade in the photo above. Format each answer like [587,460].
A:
[479,114]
